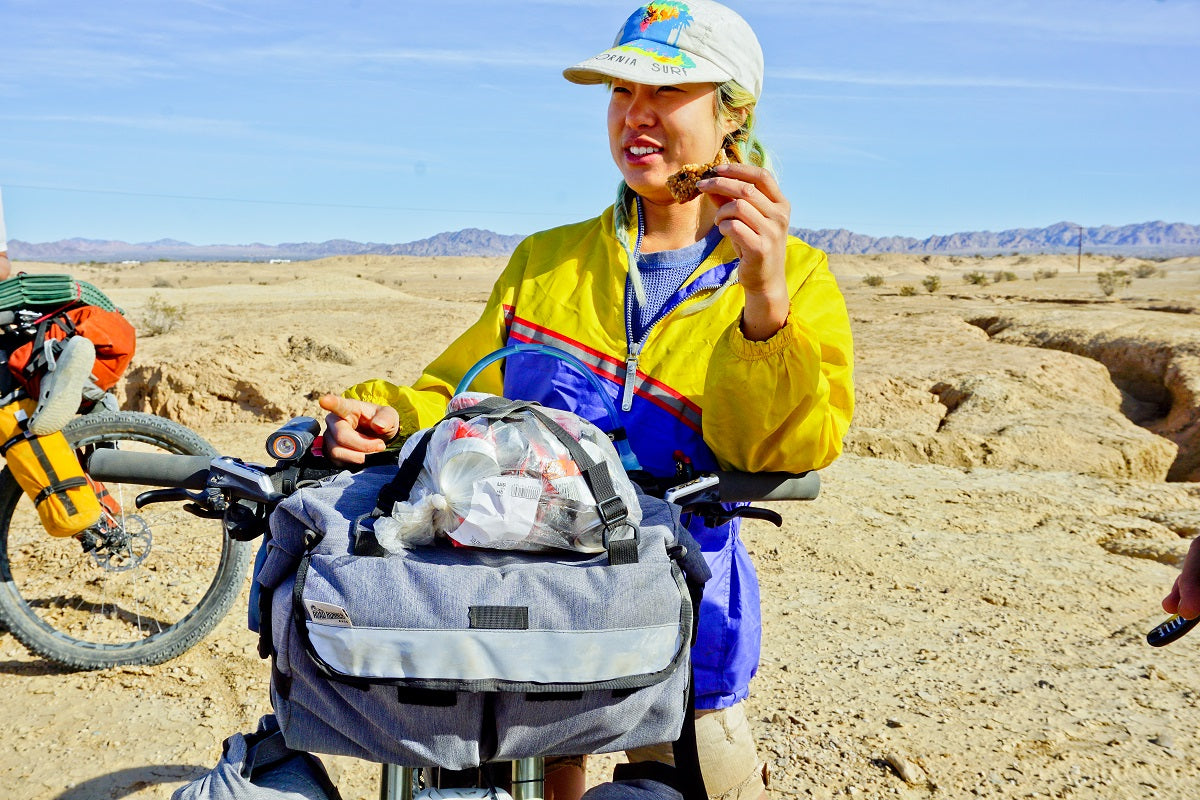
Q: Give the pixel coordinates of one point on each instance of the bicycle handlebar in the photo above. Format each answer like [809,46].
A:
[192,472]
[735,487]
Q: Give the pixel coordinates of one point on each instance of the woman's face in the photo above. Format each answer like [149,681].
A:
[654,130]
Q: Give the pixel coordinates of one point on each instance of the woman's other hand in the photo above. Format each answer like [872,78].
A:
[753,214]
[354,428]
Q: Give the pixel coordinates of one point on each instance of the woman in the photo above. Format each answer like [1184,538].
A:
[720,337]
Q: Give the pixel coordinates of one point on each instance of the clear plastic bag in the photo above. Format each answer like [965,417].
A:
[508,485]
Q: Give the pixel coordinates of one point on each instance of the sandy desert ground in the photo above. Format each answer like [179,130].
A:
[968,595]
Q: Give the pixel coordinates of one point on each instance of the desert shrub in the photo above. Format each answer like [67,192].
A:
[1044,272]
[160,316]
[1003,275]
[1145,271]
[1111,280]
[162,283]
[307,347]
[1024,260]
[873,280]
[907,290]
[932,283]
[976,278]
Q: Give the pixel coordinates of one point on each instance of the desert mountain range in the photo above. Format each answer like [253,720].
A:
[1147,239]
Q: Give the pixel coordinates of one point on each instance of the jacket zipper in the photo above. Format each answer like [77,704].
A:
[634,349]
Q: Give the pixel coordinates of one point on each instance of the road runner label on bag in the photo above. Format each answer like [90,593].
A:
[327,614]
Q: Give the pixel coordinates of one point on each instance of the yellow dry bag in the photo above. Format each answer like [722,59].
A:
[48,471]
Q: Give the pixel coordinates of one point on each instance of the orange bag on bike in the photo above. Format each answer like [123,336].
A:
[114,337]
[48,471]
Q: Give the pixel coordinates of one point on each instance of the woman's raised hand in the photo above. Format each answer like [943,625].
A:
[753,214]
[354,428]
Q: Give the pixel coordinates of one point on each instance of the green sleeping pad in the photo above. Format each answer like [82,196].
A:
[50,291]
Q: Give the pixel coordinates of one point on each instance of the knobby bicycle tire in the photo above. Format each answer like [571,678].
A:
[141,587]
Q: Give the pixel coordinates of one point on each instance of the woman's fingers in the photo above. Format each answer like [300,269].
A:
[343,407]
[354,428]
[336,443]
[760,181]
[1170,603]
[749,193]
[738,210]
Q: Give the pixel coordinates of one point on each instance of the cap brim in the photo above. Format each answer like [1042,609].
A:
[648,62]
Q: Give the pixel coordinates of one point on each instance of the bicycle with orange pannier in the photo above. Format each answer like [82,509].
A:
[87,579]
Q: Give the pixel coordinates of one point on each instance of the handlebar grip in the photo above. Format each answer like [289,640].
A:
[735,487]
[149,469]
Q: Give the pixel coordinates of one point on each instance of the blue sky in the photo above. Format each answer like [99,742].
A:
[389,120]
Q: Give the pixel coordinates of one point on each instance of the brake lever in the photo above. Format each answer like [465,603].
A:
[1170,630]
[207,504]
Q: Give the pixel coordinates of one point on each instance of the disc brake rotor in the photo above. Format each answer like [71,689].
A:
[119,545]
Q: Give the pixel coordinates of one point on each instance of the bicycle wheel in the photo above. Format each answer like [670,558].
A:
[139,587]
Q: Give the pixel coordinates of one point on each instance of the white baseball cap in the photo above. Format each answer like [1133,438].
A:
[679,41]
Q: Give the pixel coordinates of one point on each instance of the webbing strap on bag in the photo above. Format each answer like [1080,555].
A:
[41,356]
[610,508]
[60,487]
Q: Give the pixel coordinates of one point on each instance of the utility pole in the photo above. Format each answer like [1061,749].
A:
[1079,255]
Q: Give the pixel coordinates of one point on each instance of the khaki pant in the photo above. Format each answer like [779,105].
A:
[728,760]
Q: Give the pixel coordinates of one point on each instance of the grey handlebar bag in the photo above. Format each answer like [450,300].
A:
[449,656]
[259,766]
